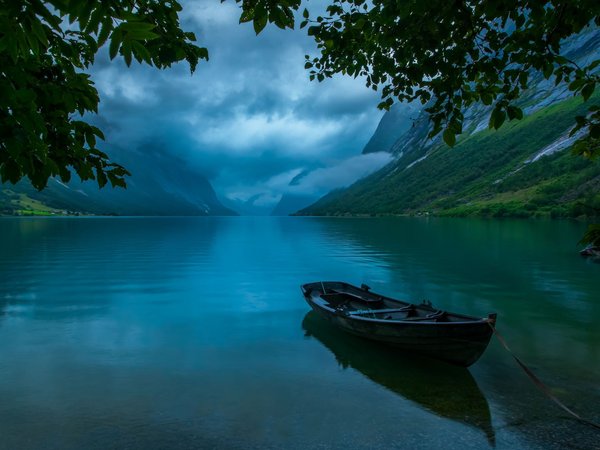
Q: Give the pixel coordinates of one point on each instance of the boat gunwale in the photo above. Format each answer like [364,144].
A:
[474,320]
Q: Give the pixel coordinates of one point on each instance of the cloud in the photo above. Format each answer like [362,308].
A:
[248,115]
[343,174]
[287,133]
[317,182]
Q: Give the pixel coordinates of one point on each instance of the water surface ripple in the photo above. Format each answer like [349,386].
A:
[150,333]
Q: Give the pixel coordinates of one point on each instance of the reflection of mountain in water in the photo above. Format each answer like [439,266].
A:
[66,267]
[442,389]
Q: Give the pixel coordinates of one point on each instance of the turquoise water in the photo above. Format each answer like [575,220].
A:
[192,333]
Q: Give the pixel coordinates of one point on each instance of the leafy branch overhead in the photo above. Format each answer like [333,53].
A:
[450,55]
[45,50]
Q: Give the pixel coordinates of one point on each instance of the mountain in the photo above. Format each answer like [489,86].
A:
[393,125]
[252,206]
[520,170]
[161,184]
[295,199]
[290,203]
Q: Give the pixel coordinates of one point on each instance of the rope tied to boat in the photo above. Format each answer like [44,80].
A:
[545,389]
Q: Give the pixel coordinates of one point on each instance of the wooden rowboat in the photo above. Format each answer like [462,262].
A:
[455,338]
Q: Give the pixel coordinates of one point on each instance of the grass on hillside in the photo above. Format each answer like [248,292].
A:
[477,176]
[12,203]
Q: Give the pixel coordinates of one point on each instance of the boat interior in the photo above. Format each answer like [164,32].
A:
[361,303]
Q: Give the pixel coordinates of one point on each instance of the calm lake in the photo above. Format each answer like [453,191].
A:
[156,333]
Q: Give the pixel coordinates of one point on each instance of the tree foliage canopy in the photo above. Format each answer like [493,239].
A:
[46,49]
[453,54]
[447,54]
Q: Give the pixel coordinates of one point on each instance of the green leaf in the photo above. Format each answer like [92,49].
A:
[576,84]
[202,53]
[487,98]
[247,15]
[115,43]
[137,26]
[497,118]
[105,30]
[279,18]
[588,90]
[126,51]
[449,137]
[116,180]
[95,18]
[141,53]
[260,23]
[261,17]
[40,33]
[514,113]
[101,177]
[90,137]
[593,65]
[97,131]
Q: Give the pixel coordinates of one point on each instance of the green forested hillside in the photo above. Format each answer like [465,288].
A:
[487,173]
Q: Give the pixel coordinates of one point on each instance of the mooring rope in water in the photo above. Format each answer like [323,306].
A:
[545,389]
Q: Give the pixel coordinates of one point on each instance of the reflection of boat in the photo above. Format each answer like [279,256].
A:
[421,329]
[444,390]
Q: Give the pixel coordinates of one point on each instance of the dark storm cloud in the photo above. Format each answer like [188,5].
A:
[249,118]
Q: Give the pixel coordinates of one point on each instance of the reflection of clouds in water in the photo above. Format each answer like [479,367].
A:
[254,301]
[559,290]
[147,318]
[23,297]
[74,267]
[111,338]
[18,304]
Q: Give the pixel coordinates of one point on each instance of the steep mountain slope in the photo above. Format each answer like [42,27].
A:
[519,170]
[161,184]
[290,203]
[393,125]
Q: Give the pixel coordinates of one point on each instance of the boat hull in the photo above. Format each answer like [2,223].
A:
[460,343]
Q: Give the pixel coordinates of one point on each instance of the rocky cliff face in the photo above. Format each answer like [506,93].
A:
[394,124]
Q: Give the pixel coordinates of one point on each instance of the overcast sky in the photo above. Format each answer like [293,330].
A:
[249,118]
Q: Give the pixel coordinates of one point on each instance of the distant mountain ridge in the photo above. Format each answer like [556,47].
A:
[161,184]
[519,170]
